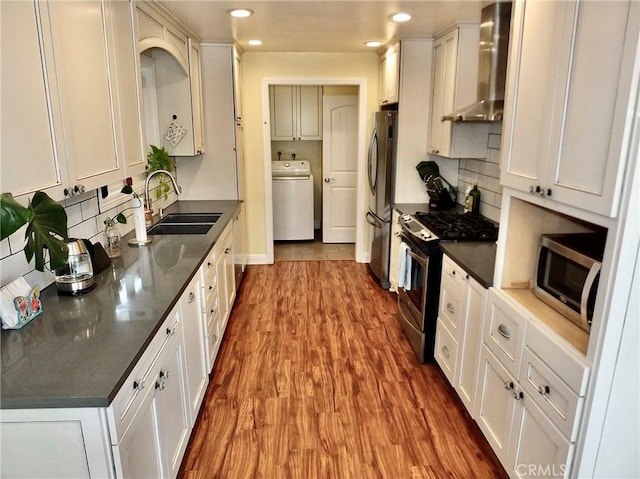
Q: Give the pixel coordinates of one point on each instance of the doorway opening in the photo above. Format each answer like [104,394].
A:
[320,122]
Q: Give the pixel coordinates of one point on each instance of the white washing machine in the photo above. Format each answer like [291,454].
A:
[292,190]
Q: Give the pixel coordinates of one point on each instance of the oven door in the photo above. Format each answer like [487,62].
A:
[414,296]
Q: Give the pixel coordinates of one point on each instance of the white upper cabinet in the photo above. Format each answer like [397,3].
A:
[296,112]
[390,74]
[171,82]
[70,77]
[571,88]
[28,140]
[455,80]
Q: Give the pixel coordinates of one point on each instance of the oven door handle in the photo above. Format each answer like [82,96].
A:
[420,259]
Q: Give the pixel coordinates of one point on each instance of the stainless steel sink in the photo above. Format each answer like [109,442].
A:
[191,218]
[180,229]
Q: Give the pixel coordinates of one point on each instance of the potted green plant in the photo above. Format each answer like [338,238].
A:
[159,159]
[46,222]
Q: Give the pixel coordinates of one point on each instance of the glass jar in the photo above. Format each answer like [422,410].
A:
[113,246]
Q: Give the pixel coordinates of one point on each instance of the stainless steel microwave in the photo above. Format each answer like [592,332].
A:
[568,272]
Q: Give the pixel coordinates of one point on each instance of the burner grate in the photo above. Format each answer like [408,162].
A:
[459,226]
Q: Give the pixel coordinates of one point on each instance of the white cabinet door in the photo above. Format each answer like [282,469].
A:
[229,274]
[138,453]
[444,70]
[309,113]
[455,73]
[30,160]
[390,74]
[196,374]
[496,405]
[296,112]
[127,89]
[196,97]
[283,112]
[170,400]
[470,344]
[559,145]
[537,449]
[80,52]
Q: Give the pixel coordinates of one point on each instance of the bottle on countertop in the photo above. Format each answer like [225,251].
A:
[472,199]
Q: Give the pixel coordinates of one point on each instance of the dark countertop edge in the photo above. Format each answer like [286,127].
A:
[62,402]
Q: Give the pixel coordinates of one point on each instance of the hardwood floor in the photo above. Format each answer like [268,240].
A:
[315,379]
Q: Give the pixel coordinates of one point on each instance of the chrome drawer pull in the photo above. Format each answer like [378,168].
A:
[504,331]
[138,385]
[518,395]
[544,390]
[445,351]
[509,385]
[451,308]
[192,298]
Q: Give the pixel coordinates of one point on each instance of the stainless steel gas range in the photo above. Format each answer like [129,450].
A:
[420,269]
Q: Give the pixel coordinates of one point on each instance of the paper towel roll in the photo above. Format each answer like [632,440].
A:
[138,220]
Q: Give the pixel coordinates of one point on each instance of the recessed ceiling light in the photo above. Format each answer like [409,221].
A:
[255,43]
[240,12]
[401,17]
[373,44]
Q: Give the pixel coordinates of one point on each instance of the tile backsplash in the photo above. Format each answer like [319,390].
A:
[487,173]
[84,220]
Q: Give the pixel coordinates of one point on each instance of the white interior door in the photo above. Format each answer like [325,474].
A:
[340,168]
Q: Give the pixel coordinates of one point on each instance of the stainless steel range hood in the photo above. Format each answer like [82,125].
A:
[495,22]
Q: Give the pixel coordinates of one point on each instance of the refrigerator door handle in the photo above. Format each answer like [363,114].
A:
[374,220]
[373,157]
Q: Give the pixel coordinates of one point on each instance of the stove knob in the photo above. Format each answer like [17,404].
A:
[406,218]
[425,234]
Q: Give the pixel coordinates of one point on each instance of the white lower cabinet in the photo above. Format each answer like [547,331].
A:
[497,397]
[459,330]
[218,293]
[529,413]
[156,437]
[197,374]
[538,448]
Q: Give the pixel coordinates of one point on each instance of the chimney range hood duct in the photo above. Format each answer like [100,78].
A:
[495,22]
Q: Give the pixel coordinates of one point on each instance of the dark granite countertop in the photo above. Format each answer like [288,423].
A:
[79,351]
[477,259]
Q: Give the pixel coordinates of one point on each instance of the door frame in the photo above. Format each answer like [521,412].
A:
[362,255]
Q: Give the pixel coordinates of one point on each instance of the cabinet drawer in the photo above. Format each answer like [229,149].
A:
[212,312]
[504,330]
[452,306]
[213,340]
[445,351]
[561,358]
[127,401]
[454,272]
[558,401]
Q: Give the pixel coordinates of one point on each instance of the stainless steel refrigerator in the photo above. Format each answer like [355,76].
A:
[381,171]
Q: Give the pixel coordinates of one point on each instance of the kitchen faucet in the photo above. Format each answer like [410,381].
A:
[176,187]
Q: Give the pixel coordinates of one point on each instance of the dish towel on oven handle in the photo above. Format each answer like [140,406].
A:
[404,266]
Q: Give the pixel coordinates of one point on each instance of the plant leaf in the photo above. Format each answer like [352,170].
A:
[121,218]
[12,215]
[47,230]
[127,189]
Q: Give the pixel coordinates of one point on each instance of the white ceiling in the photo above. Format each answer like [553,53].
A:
[319,25]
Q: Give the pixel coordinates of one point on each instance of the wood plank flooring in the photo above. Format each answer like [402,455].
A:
[315,379]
